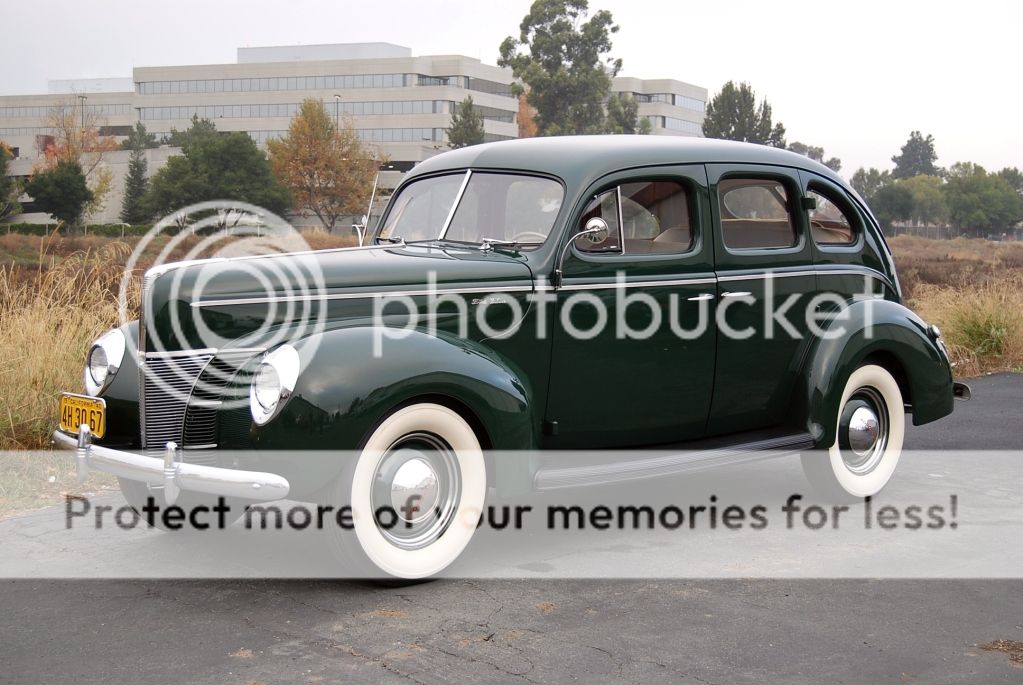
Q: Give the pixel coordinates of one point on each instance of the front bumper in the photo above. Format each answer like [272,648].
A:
[171,473]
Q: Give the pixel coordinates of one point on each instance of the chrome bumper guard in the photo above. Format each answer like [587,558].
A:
[171,473]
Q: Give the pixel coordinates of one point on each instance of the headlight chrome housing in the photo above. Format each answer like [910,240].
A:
[273,382]
[103,361]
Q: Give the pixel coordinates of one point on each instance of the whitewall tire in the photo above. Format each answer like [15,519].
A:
[870,429]
[424,466]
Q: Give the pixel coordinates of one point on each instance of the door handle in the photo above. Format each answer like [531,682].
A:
[742,294]
[700,298]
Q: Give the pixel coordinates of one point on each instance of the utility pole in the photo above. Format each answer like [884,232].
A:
[81,106]
[337,102]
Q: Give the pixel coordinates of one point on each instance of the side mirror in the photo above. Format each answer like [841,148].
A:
[595,231]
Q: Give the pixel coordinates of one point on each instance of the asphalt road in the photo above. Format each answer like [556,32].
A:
[695,631]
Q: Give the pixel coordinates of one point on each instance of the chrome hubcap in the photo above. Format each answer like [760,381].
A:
[863,431]
[415,490]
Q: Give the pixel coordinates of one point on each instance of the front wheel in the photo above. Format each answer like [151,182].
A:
[871,425]
[417,491]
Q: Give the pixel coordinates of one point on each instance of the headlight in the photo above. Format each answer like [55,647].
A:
[273,382]
[103,361]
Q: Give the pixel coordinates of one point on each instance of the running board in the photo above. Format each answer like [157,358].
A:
[639,468]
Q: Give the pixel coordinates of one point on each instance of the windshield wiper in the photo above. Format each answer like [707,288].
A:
[487,244]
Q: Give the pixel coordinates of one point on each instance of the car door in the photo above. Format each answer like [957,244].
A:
[632,363]
[766,279]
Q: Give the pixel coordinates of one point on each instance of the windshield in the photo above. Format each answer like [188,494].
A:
[493,207]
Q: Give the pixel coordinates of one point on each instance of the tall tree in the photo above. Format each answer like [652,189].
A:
[139,139]
[10,188]
[466,125]
[929,206]
[893,202]
[200,130]
[733,114]
[1014,177]
[76,138]
[61,191]
[623,115]
[526,118]
[561,59]
[816,154]
[979,202]
[328,171]
[221,166]
[136,184]
[867,182]
[917,157]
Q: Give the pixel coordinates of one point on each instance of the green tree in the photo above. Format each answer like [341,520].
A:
[139,139]
[733,114]
[893,202]
[1014,177]
[133,210]
[561,59]
[215,166]
[10,188]
[929,206]
[917,157]
[61,191]
[328,171]
[623,115]
[867,182]
[979,202]
[816,154]
[466,125]
[199,131]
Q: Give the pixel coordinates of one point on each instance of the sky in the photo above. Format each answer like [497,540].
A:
[853,78]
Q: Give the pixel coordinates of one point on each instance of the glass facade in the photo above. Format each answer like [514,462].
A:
[39,111]
[370,135]
[335,82]
[26,131]
[672,99]
[289,109]
[673,124]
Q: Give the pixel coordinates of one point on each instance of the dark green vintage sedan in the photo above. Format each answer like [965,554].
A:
[705,298]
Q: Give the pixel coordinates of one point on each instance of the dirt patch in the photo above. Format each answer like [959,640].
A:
[1014,648]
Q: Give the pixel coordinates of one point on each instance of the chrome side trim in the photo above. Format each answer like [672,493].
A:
[363,296]
[169,470]
[638,284]
[845,271]
[528,288]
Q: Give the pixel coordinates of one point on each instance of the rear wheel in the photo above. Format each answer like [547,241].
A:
[871,425]
[416,489]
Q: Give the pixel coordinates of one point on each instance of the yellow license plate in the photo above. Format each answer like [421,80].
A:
[76,410]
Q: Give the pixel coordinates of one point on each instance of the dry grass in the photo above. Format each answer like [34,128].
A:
[973,290]
[48,316]
[57,294]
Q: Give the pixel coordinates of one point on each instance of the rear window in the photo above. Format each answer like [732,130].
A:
[755,214]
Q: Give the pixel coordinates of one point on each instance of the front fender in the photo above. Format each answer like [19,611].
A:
[345,390]
[879,331]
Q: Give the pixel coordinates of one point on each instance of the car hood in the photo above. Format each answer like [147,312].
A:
[218,303]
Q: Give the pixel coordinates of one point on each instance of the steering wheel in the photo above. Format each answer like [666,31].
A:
[528,237]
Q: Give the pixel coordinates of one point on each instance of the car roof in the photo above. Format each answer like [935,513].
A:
[585,158]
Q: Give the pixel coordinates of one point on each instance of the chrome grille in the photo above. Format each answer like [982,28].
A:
[225,380]
[167,383]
